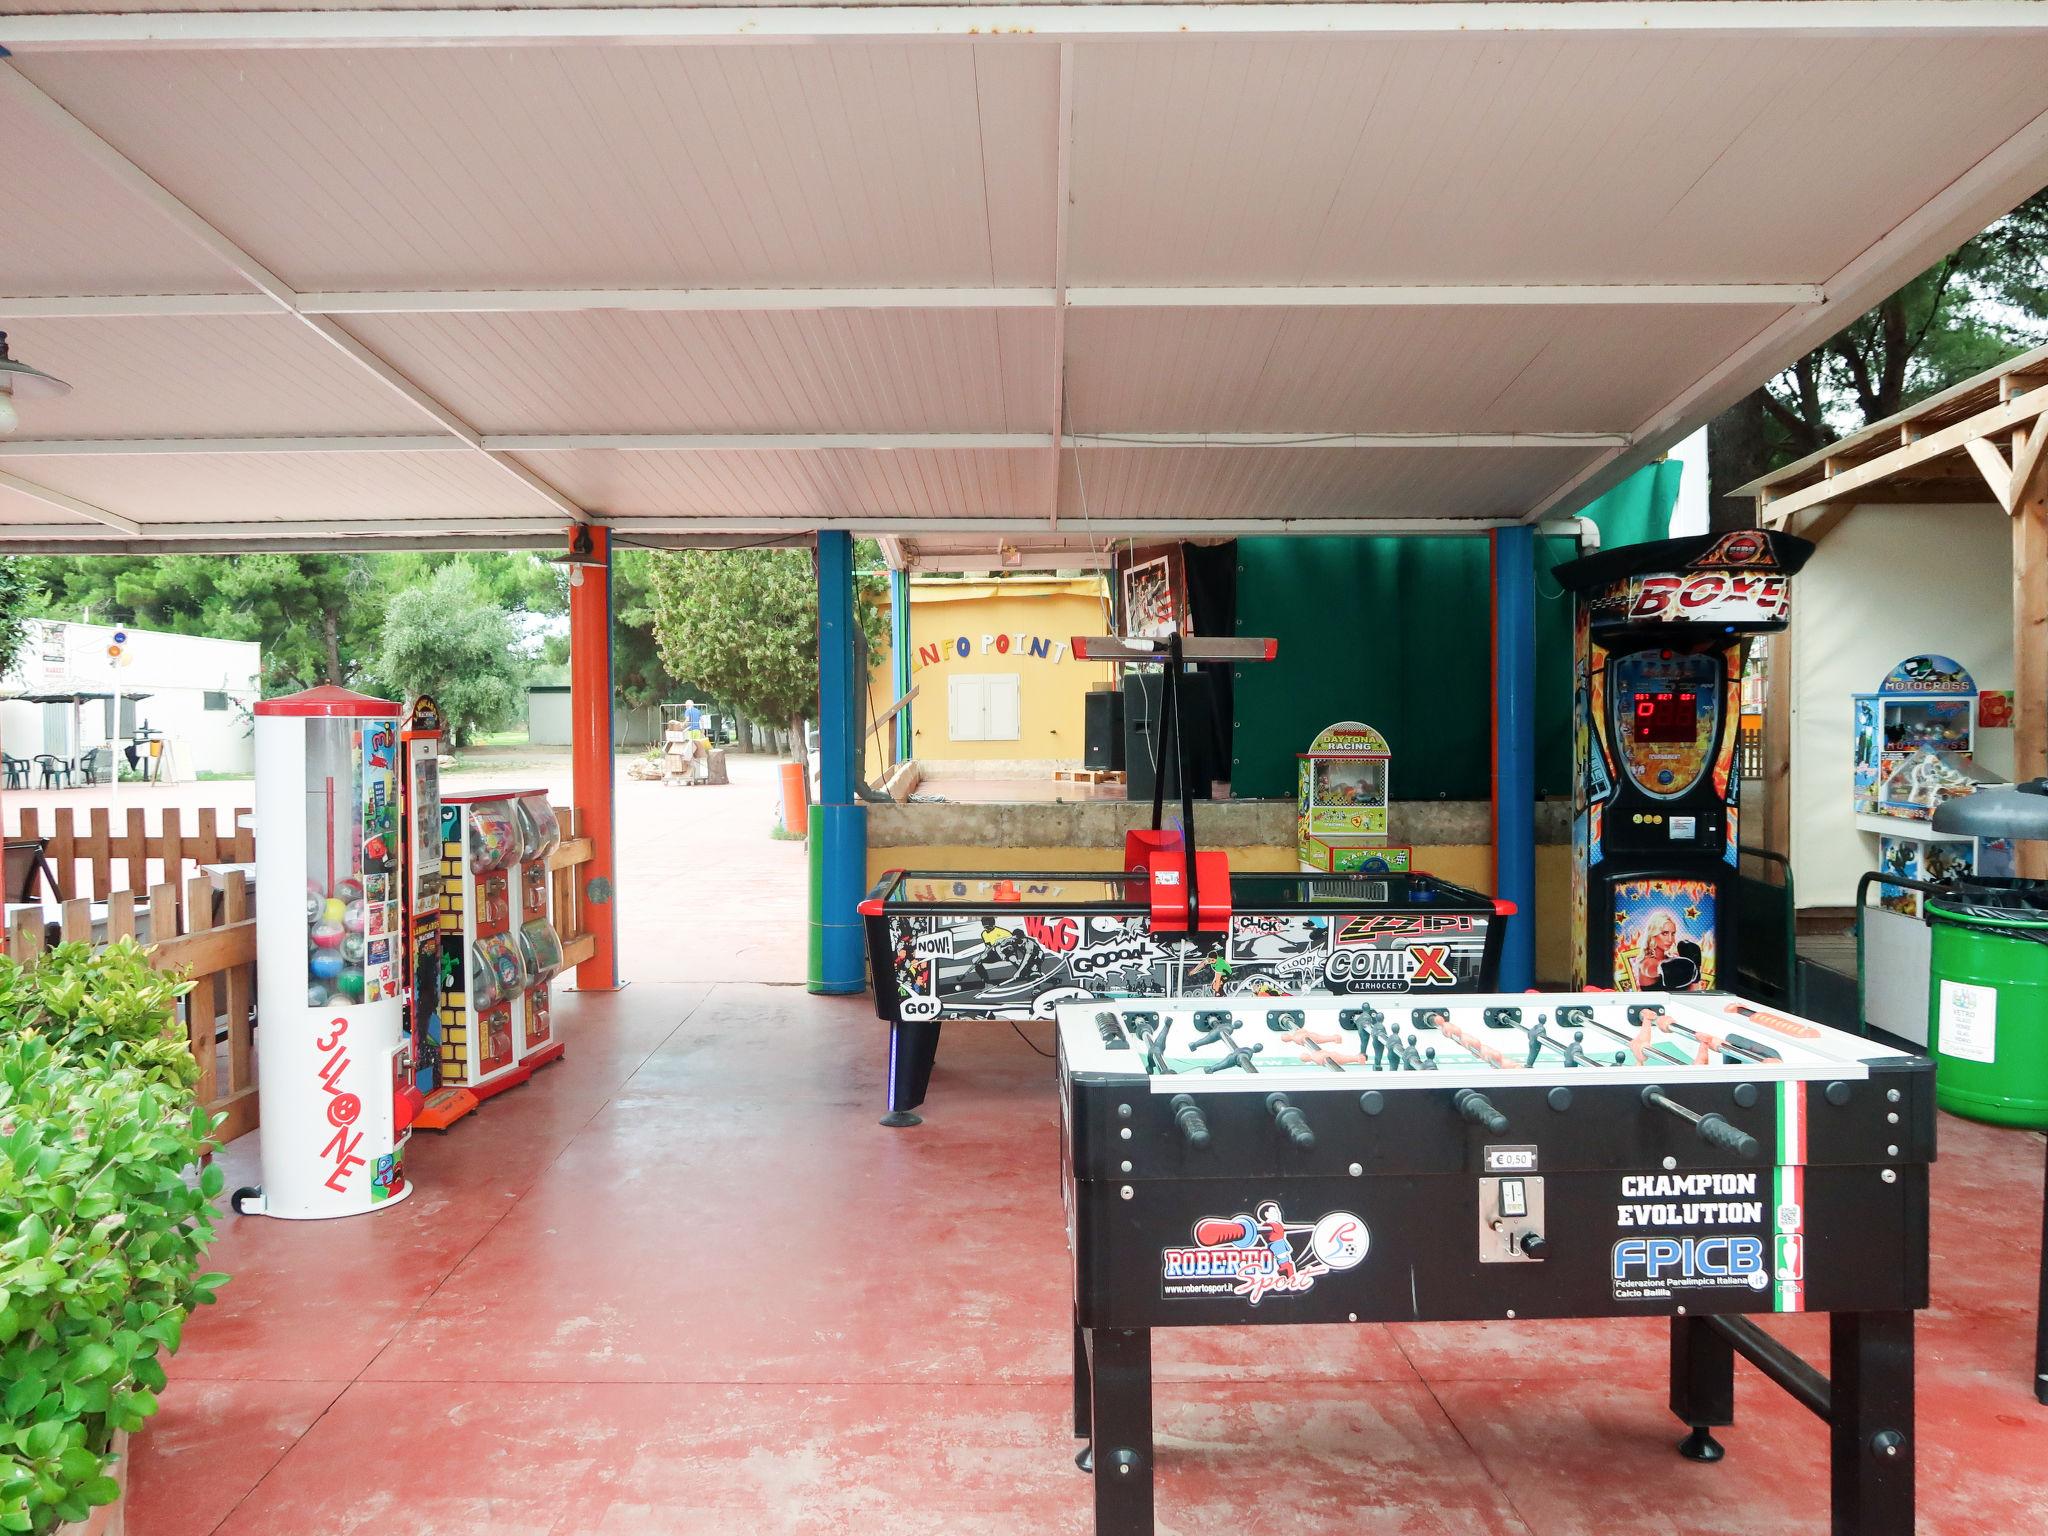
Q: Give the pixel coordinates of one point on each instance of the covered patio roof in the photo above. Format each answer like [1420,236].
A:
[1057,273]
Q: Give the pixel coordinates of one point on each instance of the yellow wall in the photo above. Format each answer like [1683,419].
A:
[1465,864]
[992,616]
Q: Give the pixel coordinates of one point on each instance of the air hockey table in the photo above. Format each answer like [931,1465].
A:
[955,946]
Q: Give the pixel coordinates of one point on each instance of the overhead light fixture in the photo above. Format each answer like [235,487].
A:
[19,381]
[582,552]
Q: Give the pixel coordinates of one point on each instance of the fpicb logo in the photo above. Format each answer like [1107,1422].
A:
[1663,1260]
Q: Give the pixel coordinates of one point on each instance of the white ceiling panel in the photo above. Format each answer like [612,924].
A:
[1511,368]
[832,484]
[899,164]
[1195,484]
[1530,157]
[759,371]
[279,489]
[66,228]
[218,376]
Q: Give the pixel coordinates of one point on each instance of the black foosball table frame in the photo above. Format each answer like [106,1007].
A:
[1790,1172]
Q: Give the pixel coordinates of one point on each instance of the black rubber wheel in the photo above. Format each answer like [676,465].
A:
[246,1192]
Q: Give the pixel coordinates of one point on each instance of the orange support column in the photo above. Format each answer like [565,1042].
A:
[590,714]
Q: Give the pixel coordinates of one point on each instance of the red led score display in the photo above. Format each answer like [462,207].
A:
[1672,715]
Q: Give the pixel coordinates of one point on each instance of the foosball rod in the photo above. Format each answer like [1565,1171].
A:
[1626,1037]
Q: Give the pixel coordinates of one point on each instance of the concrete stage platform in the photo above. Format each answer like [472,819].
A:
[682,1283]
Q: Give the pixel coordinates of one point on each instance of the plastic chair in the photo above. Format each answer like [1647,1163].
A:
[56,770]
[17,771]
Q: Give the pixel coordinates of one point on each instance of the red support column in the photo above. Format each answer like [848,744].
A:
[590,714]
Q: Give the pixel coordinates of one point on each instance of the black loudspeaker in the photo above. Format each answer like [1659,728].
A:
[1103,741]
[1144,691]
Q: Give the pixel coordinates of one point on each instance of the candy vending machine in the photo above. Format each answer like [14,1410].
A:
[335,1064]
[540,947]
[482,972]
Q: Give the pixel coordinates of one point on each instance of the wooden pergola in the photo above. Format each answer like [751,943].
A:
[1981,440]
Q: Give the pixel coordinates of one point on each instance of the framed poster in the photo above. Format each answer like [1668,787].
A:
[1150,609]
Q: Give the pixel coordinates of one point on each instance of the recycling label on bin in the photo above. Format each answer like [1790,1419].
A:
[1969,1021]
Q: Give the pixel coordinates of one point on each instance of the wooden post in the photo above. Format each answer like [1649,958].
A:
[135,848]
[202,1003]
[1775,831]
[2030,655]
[100,850]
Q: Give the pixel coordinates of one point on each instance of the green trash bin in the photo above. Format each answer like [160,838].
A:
[1987,1002]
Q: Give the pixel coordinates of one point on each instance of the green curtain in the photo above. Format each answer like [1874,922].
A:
[1397,632]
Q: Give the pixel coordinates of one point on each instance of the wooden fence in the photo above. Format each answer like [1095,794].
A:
[205,926]
[86,863]
[211,937]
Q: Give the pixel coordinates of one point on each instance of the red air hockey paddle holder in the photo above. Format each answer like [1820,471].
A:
[1188,890]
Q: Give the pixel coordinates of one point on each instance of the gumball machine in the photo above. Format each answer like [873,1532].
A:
[540,947]
[482,972]
[334,1066]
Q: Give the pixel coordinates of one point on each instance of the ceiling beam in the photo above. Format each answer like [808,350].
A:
[65,503]
[2021,411]
[783,442]
[1000,23]
[1063,161]
[24,93]
[510,301]
[1996,184]
[1027,560]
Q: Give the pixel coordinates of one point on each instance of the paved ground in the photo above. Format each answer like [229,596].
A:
[706,894]
[682,1284]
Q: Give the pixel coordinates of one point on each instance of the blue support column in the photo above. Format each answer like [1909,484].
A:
[839,824]
[1514,748]
[899,648]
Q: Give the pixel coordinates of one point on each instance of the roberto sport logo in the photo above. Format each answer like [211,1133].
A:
[1647,1268]
[1261,1254]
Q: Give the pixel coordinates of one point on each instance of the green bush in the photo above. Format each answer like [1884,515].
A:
[101,1233]
[106,1006]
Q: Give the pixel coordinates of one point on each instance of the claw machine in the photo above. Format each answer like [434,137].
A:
[540,947]
[335,1062]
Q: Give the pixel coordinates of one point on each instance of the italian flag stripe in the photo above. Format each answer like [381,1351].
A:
[1788,1208]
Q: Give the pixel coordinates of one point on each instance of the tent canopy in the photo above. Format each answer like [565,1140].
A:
[1058,274]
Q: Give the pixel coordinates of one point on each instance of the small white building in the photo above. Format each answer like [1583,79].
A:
[191,691]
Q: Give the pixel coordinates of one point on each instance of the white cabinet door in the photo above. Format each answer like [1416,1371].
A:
[984,706]
[1005,706]
[966,709]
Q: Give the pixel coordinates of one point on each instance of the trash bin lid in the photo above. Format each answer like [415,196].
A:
[1973,902]
[2005,810]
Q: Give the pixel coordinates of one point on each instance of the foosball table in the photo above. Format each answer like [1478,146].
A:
[1537,1155]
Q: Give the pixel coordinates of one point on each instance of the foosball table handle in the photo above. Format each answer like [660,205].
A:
[1717,1132]
[1474,1106]
[1291,1121]
[1194,1126]
[1714,1129]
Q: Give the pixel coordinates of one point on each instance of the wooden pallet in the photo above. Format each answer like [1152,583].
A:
[1089,775]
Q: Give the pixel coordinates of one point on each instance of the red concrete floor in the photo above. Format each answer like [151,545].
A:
[682,1283]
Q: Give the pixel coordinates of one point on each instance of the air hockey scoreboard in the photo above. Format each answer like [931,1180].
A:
[1410,1157]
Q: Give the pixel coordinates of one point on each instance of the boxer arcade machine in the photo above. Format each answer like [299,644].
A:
[1660,634]
[335,1070]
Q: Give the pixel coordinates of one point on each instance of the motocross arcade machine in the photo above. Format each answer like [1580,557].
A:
[1660,631]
